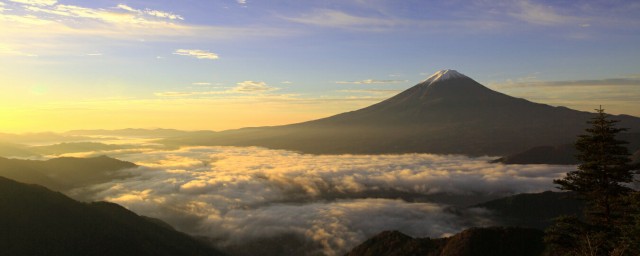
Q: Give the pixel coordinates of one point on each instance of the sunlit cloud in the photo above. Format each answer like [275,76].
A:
[252,87]
[245,87]
[156,13]
[199,54]
[2,8]
[239,196]
[372,81]
[201,83]
[61,28]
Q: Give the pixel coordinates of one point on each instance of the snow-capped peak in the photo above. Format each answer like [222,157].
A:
[442,75]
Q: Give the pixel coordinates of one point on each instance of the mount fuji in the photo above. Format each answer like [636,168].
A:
[448,113]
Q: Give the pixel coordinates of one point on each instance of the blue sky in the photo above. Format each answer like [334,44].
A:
[228,64]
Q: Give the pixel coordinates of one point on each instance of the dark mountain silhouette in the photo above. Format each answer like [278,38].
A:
[447,113]
[635,158]
[535,210]
[563,154]
[42,137]
[64,173]
[396,243]
[526,214]
[15,150]
[495,241]
[37,221]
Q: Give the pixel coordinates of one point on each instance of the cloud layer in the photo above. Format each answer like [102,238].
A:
[307,203]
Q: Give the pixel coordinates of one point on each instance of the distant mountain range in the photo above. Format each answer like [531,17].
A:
[66,172]
[449,113]
[37,221]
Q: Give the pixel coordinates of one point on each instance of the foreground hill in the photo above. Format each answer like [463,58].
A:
[535,210]
[65,172]
[528,214]
[37,221]
[447,113]
[495,241]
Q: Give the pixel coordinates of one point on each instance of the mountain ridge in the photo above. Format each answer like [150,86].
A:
[37,221]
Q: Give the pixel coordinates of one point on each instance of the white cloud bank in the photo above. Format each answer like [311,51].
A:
[304,204]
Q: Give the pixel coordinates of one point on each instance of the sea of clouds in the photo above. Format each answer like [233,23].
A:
[256,201]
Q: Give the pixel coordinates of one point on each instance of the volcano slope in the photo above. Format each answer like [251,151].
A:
[448,113]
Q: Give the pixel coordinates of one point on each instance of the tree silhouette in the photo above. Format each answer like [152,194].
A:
[612,219]
[604,170]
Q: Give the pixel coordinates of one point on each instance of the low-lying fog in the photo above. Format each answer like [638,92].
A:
[254,201]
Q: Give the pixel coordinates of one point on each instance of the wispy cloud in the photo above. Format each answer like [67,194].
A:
[51,28]
[618,95]
[245,87]
[339,19]
[199,54]
[538,14]
[188,94]
[36,2]
[156,13]
[7,50]
[201,83]
[252,87]
[372,91]
[372,81]
[574,83]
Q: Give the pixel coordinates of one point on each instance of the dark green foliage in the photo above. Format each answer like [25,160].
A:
[571,236]
[630,230]
[37,221]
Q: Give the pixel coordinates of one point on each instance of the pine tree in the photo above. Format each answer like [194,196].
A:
[603,171]
[612,215]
